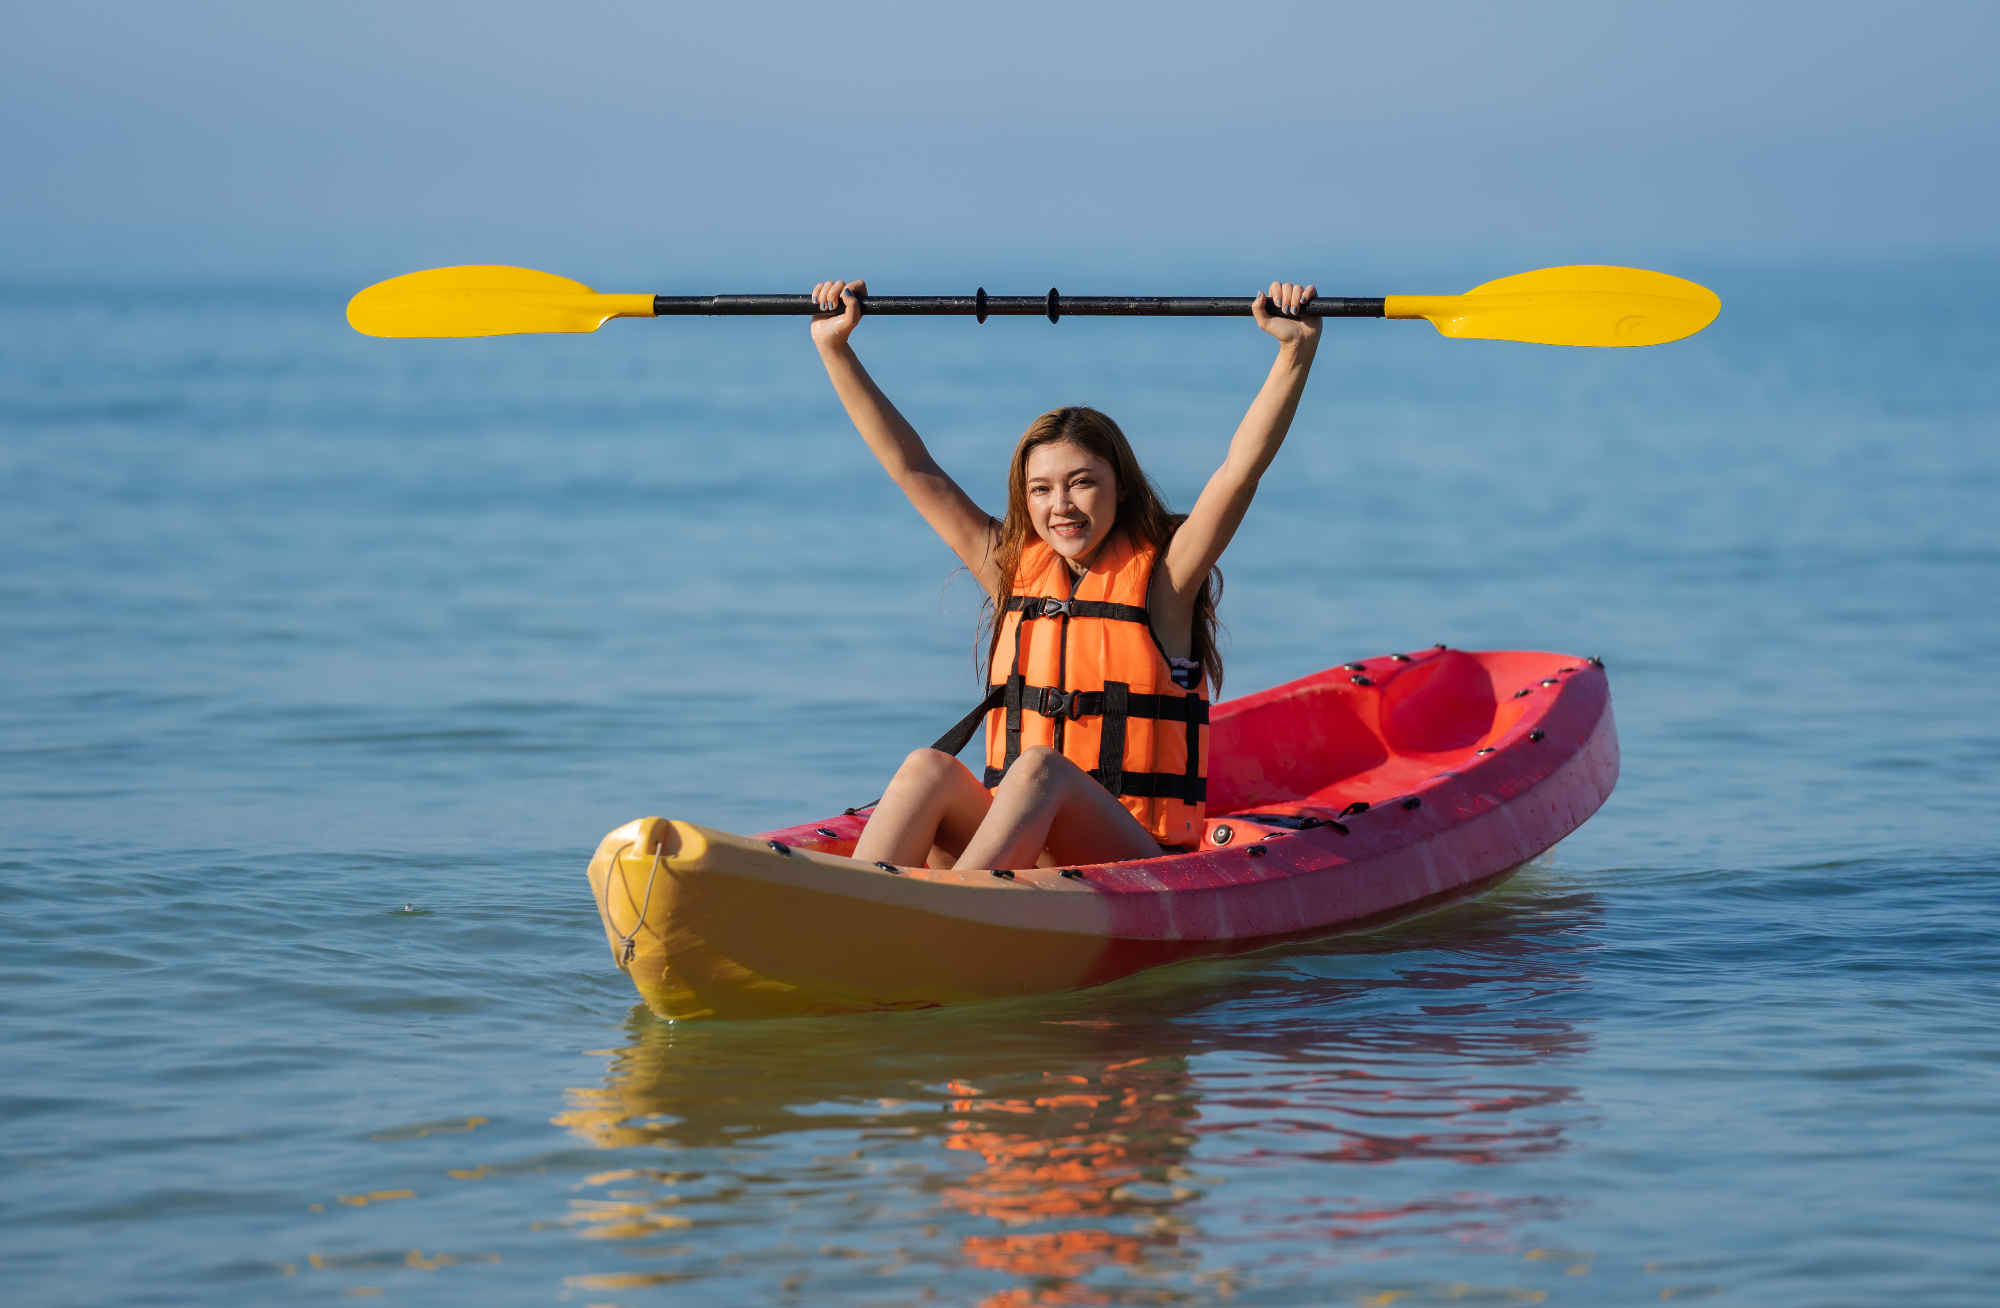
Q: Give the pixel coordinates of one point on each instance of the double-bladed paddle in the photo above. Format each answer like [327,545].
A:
[1584,304]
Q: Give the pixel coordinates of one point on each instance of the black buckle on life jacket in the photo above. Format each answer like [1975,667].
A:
[1052,608]
[1061,704]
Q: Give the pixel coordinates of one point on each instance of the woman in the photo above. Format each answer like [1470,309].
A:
[1103,617]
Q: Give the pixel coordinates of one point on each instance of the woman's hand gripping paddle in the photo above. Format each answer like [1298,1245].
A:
[1585,304]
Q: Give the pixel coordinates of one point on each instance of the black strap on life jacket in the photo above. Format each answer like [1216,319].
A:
[1035,606]
[951,742]
[1138,785]
[1073,704]
[1116,700]
[1192,779]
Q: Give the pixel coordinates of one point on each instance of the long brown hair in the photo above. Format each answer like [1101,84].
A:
[1142,512]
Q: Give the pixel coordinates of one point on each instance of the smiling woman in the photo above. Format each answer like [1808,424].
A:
[1102,608]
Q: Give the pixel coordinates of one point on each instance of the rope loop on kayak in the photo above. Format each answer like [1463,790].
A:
[631,940]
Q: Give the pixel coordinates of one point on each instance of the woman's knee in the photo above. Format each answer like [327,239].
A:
[930,766]
[1040,762]
[920,760]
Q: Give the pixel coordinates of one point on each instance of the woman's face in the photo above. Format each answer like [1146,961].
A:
[1072,498]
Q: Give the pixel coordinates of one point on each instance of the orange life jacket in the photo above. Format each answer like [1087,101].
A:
[1086,677]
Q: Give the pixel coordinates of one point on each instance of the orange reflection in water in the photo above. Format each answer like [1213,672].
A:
[1056,1253]
[1117,1149]
[1132,1117]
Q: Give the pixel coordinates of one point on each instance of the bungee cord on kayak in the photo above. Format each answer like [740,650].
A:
[630,940]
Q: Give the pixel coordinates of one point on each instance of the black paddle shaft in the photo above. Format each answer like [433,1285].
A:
[983,306]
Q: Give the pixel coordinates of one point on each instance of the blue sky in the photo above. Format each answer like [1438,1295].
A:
[772,140]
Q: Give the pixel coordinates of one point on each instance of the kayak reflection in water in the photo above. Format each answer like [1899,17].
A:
[1078,506]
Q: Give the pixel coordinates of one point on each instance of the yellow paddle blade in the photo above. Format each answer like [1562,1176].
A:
[486,300]
[1585,304]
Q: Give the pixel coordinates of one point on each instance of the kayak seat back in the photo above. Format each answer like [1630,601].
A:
[1285,748]
[1326,741]
[1440,706]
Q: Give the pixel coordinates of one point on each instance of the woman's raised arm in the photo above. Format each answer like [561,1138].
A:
[966,527]
[1223,502]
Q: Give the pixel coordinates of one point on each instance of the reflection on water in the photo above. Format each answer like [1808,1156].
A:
[1385,1090]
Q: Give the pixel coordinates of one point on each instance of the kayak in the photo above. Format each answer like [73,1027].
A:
[1339,802]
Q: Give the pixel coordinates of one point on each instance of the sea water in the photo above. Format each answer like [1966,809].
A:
[327,660]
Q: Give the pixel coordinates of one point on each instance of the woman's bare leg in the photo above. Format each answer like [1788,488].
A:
[1047,802]
[933,800]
